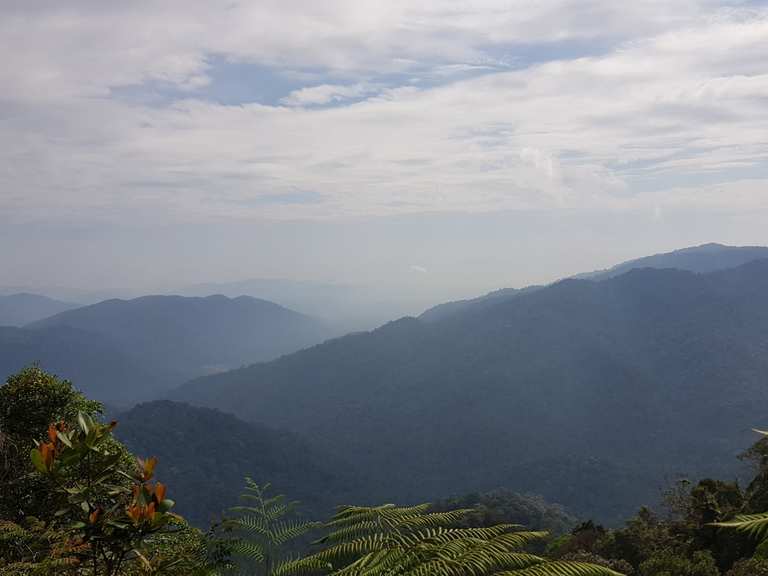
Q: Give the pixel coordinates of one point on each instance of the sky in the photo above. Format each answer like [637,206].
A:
[427,150]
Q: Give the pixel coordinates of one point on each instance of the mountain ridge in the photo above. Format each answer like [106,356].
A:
[653,349]
[22,308]
[164,340]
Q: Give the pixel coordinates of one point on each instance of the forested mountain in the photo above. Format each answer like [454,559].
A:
[594,393]
[180,336]
[442,311]
[121,351]
[206,454]
[23,308]
[705,258]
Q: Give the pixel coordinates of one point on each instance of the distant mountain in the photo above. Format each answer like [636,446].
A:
[345,307]
[705,258]
[169,339]
[442,311]
[204,456]
[99,368]
[594,393]
[23,308]
[310,297]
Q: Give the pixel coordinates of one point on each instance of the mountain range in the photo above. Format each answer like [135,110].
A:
[123,351]
[595,392]
[23,308]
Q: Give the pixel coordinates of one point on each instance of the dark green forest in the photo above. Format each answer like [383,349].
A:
[78,500]
[607,384]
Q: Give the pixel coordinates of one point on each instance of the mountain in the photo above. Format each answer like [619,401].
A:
[705,258]
[23,308]
[168,339]
[204,456]
[442,311]
[593,393]
[345,307]
[100,369]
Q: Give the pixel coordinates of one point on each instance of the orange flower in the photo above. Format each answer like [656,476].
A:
[147,467]
[47,451]
[94,516]
[52,433]
[150,511]
[159,492]
[134,513]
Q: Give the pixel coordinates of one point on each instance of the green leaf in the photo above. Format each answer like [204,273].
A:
[37,460]
[64,437]
[81,422]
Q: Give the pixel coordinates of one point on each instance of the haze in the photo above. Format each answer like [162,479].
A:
[417,151]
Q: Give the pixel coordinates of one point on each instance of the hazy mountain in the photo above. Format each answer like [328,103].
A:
[592,392]
[99,368]
[23,308]
[442,311]
[344,307]
[704,258]
[204,456]
[310,297]
[173,338]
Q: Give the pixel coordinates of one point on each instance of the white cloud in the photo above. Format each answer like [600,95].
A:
[680,93]
[328,93]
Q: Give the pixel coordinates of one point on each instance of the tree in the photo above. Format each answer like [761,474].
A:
[668,563]
[410,541]
[262,528]
[29,402]
[108,514]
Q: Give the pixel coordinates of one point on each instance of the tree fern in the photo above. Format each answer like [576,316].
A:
[411,541]
[262,527]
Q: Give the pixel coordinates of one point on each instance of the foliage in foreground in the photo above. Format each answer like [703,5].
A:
[262,527]
[29,402]
[410,541]
[73,500]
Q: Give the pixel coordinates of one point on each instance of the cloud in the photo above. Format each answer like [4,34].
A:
[328,93]
[675,97]
[417,268]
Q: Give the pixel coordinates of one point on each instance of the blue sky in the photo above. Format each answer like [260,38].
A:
[293,121]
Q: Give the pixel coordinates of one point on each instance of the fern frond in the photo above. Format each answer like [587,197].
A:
[562,568]
[260,526]
[283,532]
[410,541]
[247,549]
[756,525]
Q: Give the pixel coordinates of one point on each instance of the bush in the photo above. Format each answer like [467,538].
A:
[671,564]
[751,567]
